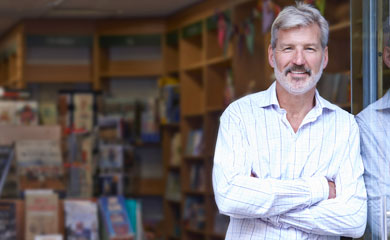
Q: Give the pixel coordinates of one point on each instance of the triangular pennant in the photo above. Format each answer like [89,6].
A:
[268,15]
[321,6]
[221,30]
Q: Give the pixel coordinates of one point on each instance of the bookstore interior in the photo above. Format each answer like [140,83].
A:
[108,123]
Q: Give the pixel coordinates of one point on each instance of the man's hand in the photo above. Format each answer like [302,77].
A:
[332,190]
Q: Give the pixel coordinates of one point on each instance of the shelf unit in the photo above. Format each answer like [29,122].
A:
[127,48]
[203,69]
[30,52]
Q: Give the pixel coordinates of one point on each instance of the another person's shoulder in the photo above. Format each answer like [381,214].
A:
[370,113]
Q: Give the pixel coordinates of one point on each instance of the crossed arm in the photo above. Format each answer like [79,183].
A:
[309,204]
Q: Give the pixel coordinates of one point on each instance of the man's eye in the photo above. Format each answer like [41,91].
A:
[310,49]
[286,49]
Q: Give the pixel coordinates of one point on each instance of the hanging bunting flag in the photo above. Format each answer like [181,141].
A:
[321,6]
[221,30]
[276,8]
[228,36]
[268,15]
[257,10]
[250,36]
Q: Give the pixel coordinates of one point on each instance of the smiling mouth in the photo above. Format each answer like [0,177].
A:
[297,71]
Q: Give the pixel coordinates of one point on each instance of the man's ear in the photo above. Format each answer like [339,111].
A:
[386,56]
[270,56]
[326,57]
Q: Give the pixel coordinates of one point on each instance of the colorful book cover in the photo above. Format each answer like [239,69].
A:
[115,217]
[176,150]
[83,111]
[133,208]
[81,220]
[27,113]
[111,156]
[8,230]
[41,213]
[48,113]
[7,112]
[39,159]
[111,184]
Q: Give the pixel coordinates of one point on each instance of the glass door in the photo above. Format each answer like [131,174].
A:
[370,74]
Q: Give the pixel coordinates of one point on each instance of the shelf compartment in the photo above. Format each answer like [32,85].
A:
[191,93]
[171,52]
[219,87]
[149,187]
[191,44]
[213,47]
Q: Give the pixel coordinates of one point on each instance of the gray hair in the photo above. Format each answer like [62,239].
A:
[299,16]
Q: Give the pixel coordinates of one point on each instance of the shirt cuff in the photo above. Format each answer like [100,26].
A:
[319,189]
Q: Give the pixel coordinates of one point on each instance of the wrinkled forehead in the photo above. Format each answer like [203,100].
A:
[310,33]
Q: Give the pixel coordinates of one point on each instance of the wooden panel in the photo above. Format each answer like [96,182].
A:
[58,73]
[55,184]
[59,26]
[130,68]
[150,187]
[130,26]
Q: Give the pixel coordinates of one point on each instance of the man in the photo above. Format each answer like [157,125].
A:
[287,162]
[374,122]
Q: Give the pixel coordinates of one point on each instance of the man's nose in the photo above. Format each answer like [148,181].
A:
[298,58]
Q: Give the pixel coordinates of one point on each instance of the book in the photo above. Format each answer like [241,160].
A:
[27,113]
[80,165]
[110,156]
[133,208]
[169,104]
[8,228]
[41,213]
[49,237]
[83,115]
[197,177]
[39,159]
[7,112]
[115,218]
[81,220]
[195,142]
[176,150]
[48,114]
[110,184]
[194,213]
[173,188]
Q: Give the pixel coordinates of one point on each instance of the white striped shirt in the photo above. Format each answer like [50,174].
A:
[374,122]
[289,197]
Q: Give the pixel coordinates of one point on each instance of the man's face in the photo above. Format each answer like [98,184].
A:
[298,58]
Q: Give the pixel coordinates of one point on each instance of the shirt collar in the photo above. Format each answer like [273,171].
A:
[383,103]
[273,100]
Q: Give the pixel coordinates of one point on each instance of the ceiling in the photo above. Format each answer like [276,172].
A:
[12,11]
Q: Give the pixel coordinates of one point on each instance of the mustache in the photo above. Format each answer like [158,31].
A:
[297,68]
